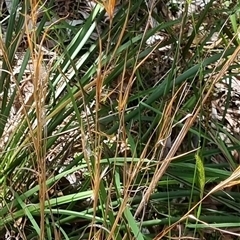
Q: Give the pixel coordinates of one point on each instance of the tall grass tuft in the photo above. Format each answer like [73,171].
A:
[107,125]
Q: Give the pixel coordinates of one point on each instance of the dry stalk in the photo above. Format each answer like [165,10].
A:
[182,134]
[235,175]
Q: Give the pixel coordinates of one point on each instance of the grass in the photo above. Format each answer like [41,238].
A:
[103,136]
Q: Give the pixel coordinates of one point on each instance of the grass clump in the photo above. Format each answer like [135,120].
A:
[117,122]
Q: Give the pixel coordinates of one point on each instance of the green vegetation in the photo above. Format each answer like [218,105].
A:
[121,123]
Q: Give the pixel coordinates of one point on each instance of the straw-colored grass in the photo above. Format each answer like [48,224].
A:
[107,125]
